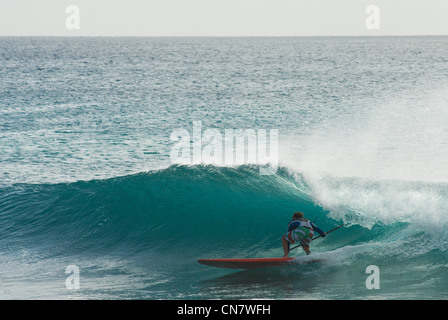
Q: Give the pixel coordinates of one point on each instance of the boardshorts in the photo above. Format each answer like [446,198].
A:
[300,234]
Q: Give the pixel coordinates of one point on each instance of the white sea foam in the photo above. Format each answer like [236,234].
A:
[385,163]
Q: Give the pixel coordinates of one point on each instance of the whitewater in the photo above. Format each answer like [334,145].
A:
[87,178]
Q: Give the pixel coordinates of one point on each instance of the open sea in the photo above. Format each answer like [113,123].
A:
[92,205]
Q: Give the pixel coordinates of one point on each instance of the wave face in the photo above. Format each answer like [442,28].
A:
[144,233]
[173,209]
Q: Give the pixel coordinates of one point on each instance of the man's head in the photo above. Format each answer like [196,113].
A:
[297,215]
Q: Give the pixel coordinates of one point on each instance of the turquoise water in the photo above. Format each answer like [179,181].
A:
[86,177]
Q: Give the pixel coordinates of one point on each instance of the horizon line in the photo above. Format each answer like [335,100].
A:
[228,36]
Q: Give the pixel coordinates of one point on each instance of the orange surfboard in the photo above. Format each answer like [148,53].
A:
[250,263]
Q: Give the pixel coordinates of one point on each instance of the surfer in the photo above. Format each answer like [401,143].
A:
[300,230]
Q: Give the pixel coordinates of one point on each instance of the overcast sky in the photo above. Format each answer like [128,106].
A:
[223,17]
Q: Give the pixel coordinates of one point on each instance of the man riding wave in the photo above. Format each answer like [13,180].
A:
[300,230]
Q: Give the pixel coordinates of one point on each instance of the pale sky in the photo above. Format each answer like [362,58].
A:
[223,17]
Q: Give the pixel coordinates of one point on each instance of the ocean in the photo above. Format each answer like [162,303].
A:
[93,204]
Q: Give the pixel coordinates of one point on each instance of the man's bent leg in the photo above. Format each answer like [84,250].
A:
[285,246]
